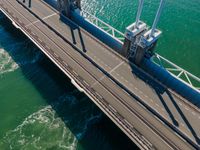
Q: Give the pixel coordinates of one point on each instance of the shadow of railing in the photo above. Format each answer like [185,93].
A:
[65,20]
[73,27]
[167,109]
[160,90]
[183,117]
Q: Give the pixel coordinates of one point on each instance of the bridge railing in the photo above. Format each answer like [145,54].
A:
[103,26]
[181,74]
[190,79]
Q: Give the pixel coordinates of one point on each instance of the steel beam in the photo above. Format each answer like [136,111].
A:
[157,18]
[139,12]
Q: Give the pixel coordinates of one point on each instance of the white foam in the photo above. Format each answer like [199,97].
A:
[42,130]
[7,64]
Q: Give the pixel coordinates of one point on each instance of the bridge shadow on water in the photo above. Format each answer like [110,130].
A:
[99,132]
[160,90]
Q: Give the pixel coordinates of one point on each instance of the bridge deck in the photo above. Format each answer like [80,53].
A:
[102,74]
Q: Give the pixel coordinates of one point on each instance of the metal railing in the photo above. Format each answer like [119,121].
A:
[181,74]
[103,26]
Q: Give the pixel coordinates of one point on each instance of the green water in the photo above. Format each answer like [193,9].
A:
[180,23]
[41,109]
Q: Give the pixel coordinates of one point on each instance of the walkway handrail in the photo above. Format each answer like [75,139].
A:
[178,72]
[103,26]
[190,79]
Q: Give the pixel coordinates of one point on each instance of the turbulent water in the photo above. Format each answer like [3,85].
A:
[41,109]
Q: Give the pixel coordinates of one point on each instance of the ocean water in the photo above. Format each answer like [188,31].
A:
[41,109]
[180,23]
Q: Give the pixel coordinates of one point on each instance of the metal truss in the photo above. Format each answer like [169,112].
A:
[183,75]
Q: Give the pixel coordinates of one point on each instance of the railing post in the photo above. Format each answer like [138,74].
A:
[29,4]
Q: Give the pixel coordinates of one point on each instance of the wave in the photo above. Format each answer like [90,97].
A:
[15,50]
[41,130]
[8,64]
[45,129]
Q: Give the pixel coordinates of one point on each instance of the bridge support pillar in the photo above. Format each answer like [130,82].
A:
[132,36]
[139,41]
[149,39]
[133,33]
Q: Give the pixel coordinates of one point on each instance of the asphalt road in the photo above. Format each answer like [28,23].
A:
[135,106]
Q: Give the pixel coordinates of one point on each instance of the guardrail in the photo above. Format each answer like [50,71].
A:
[103,26]
[181,74]
[190,79]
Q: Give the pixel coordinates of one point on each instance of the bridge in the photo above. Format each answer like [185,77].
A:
[150,113]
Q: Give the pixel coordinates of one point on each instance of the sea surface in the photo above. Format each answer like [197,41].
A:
[41,109]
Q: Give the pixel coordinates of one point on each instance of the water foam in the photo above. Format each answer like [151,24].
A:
[7,64]
[41,130]
[45,130]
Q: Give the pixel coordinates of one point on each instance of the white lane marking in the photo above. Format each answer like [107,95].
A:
[182,124]
[116,67]
[39,40]
[86,83]
[180,104]
[100,61]
[97,81]
[32,23]
[186,108]
[75,73]
[157,105]
[108,72]
[193,113]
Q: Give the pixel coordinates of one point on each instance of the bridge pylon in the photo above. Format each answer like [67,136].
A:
[133,32]
[139,40]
